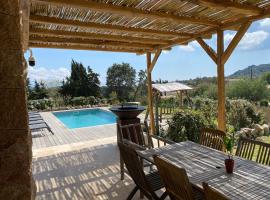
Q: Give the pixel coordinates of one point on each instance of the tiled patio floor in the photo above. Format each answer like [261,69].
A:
[89,173]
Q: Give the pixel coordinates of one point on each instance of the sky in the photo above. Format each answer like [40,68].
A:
[181,63]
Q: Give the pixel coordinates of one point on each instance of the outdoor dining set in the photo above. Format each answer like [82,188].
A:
[191,171]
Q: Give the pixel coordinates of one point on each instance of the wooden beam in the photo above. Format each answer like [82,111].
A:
[81,47]
[237,38]
[96,36]
[224,26]
[234,6]
[208,49]
[154,61]
[89,42]
[106,27]
[221,81]
[130,12]
[150,93]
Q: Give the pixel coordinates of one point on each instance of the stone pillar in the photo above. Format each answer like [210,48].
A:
[15,139]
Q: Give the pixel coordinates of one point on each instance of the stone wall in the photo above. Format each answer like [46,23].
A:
[15,139]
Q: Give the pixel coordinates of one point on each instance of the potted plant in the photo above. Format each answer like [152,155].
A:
[229,162]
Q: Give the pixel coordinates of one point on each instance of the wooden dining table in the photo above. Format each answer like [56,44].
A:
[249,180]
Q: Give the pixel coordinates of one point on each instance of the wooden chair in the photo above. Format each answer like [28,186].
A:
[212,194]
[142,140]
[137,139]
[212,138]
[176,181]
[246,149]
[147,184]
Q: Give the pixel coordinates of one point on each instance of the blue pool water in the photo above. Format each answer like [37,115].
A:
[85,118]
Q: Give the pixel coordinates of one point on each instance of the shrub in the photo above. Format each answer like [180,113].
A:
[208,108]
[186,125]
[264,102]
[253,90]
[242,113]
[78,101]
[91,100]
[40,104]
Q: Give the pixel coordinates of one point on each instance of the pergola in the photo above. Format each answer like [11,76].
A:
[134,26]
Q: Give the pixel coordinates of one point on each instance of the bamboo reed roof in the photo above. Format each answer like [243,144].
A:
[135,26]
[170,87]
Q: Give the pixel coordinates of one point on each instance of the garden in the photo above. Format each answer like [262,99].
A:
[247,103]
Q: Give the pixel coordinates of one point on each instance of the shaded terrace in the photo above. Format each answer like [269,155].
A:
[139,26]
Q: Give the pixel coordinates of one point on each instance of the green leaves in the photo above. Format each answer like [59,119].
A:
[82,82]
[186,125]
[121,79]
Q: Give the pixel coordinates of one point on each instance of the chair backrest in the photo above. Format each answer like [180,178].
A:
[175,179]
[246,149]
[133,165]
[133,133]
[212,138]
[212,194]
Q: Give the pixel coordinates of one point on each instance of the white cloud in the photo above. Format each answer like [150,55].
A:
[265,22]
[250,40]
[190,47]
[47,75]
[165,51]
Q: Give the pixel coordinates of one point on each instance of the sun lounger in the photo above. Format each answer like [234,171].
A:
[39,121]
[37,127]
[32,118]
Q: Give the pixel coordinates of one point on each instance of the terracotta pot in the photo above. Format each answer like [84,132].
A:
[229,165]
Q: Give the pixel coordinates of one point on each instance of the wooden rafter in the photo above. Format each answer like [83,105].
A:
[208,49]
[239,35]
[96,36]
[129,12]
[107,27]
[89,42]
[154,61]
[230,5]
[82,47]
[224,26]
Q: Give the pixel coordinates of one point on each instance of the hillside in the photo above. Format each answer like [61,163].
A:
[257,70]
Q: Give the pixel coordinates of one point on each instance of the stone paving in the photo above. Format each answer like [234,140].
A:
[78,164]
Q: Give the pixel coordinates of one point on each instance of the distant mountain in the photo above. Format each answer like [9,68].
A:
[257,70]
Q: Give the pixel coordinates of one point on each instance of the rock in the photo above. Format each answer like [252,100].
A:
[254,133]
[258,127]
[266,129]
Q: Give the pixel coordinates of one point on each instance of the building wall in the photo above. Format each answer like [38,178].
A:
[15,139]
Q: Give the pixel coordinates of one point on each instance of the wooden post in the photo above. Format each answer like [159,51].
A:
[220,58]
[150,93]
[15,139]
[156,113]
[221,81]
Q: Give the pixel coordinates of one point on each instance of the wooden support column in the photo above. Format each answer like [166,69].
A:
[150,67]
[150,94]
[221,81]
[220,58]
[15,139]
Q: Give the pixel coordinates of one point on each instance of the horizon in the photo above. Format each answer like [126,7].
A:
[254,49]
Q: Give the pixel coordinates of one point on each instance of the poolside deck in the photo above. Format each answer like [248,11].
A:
[78,164]
[64,135]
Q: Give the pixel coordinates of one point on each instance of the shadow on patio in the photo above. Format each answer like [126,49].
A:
[91,173]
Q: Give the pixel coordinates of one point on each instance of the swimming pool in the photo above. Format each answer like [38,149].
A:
[85,118]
